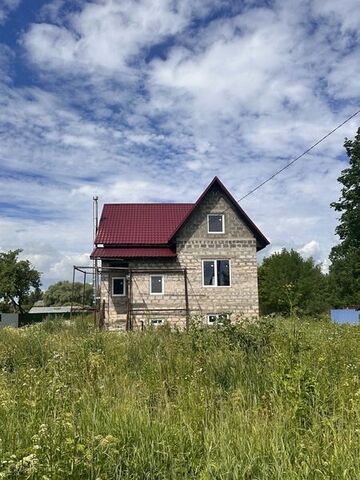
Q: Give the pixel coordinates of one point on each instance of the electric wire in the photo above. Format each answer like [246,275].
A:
[299,156]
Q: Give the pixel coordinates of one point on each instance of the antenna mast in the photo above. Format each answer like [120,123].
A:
[95,260]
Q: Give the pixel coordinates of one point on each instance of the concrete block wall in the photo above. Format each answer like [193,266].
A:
[237,244]
[193,244]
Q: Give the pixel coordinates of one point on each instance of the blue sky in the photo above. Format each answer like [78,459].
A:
[148,100]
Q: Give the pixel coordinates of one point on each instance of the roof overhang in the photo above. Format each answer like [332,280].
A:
[133,252]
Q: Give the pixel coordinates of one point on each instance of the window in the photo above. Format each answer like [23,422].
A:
[217,318]
[216,273]
[118,286]
[216,223]
[156,322]
[156,284]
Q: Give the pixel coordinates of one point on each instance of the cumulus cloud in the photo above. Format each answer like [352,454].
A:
[6,7]
[147,101]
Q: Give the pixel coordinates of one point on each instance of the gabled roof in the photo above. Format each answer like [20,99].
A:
[152,227]
[261,240]
[140,223]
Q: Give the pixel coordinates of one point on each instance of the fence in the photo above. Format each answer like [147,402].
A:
[23,319]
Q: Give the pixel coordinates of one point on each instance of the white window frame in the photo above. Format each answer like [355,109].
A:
[223,223]
[112,287]
[156,325]
[217,315]
[215,272]
[162,284]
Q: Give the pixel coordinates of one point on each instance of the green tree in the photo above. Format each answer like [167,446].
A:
[290,284]
[345,257]
[63,293]
[19,282]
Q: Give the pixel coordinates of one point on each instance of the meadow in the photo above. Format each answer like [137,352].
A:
[276,400]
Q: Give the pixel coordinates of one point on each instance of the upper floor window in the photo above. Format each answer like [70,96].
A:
[156,284]
[216,273]
[119,286]
[216,223]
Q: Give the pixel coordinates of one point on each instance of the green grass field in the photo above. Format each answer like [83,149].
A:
[280,400]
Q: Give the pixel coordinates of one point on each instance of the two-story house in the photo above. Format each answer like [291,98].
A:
[168,262]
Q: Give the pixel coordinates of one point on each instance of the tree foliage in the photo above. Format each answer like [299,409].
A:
[63,293]
[345,257]
[19,282]
[288,284]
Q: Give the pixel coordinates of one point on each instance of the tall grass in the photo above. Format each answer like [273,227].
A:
[277,400]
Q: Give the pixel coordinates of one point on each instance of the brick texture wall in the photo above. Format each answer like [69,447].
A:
[193,244]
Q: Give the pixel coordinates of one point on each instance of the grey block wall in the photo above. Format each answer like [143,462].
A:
[193,245]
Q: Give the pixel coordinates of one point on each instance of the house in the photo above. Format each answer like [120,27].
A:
[167,262]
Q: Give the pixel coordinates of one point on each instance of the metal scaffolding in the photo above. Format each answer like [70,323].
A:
[100,304]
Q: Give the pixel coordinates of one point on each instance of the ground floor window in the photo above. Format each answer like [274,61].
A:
[156,322]
[119,286]
[216,273]
[156,284]
[217,318]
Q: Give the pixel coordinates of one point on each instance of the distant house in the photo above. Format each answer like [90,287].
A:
[64,310]
[50,310]
[164,262]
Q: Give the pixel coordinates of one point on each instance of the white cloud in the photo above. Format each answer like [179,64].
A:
[144,102]
[311,249]
[104,34]
[6,7]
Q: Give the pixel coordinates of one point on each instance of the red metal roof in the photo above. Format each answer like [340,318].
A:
[149,225]
[140,223]
[132,252]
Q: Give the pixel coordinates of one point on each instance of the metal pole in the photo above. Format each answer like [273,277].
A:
[129,325]
[95,260]
[186,299]
[72,291]
[83,295]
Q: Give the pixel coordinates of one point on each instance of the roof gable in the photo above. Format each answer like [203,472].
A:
[261,240]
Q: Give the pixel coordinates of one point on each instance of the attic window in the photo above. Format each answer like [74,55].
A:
[216,223]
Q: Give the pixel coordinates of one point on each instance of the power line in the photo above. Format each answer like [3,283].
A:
[300,156]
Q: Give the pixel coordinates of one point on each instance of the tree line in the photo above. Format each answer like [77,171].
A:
[288,283]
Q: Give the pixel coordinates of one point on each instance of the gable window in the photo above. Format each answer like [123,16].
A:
[156,284]
[118,286]
[156,322]
[216,223]
[216,273]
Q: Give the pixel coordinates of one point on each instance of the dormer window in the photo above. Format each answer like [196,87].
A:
[216,223]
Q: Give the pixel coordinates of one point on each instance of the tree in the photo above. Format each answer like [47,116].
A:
[290,284]
[345,257]
[19,282]
[63,293]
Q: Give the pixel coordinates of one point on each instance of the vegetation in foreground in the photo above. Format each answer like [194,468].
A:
[277,400]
